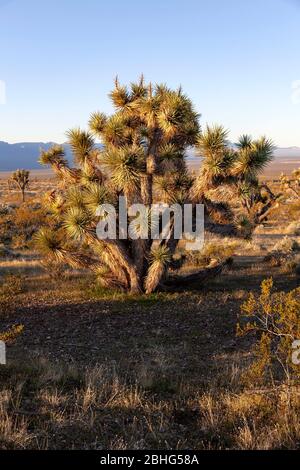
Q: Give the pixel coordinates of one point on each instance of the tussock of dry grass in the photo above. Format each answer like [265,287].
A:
[54,407]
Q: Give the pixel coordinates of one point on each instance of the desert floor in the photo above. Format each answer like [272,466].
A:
[96,369]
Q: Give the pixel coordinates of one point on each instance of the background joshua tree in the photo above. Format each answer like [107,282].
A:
[20,178]
[143,159]
[231,173]
[291,184]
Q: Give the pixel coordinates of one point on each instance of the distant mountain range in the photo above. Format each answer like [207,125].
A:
[26,154]
[288,152]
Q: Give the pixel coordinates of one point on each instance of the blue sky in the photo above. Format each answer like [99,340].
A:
[236,59]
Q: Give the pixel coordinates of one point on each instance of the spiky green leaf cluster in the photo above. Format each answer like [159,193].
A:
[48,241]
[77,222]
[53,156]
[225,163]
[82,144]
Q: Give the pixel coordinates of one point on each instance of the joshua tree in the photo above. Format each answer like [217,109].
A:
[291,184]
[230,173]
[142,158]
[143,141]
[21,179]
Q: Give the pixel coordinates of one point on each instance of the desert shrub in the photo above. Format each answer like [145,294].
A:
[24,223]
[277,258]
[290,267]
[12,334]
[293,228]
[18,225]
[286,245]
[213,251]
[274,318]
[11,286]
[283,252]
[29,217]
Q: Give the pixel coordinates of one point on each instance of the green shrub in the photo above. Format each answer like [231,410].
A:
[274,318]
[213,251]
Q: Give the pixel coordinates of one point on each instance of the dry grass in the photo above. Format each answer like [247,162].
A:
[98,369]
[43,406]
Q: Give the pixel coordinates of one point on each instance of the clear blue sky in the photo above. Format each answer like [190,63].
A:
[237,60]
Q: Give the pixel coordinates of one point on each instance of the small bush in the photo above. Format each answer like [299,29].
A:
[12,286]
[290,267]
[213,252]
[26,221]
[277,259]
[286,245]
[283,252]
[274,317]
[12,334]
[293,229]
[25,216]
[18,225]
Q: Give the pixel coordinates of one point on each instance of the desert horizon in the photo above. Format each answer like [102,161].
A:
[272,171]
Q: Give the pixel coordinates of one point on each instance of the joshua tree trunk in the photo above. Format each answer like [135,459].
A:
[151,167]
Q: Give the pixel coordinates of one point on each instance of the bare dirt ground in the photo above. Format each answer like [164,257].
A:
[189,329]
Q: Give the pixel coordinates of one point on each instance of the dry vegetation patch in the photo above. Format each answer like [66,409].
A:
[97,368]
